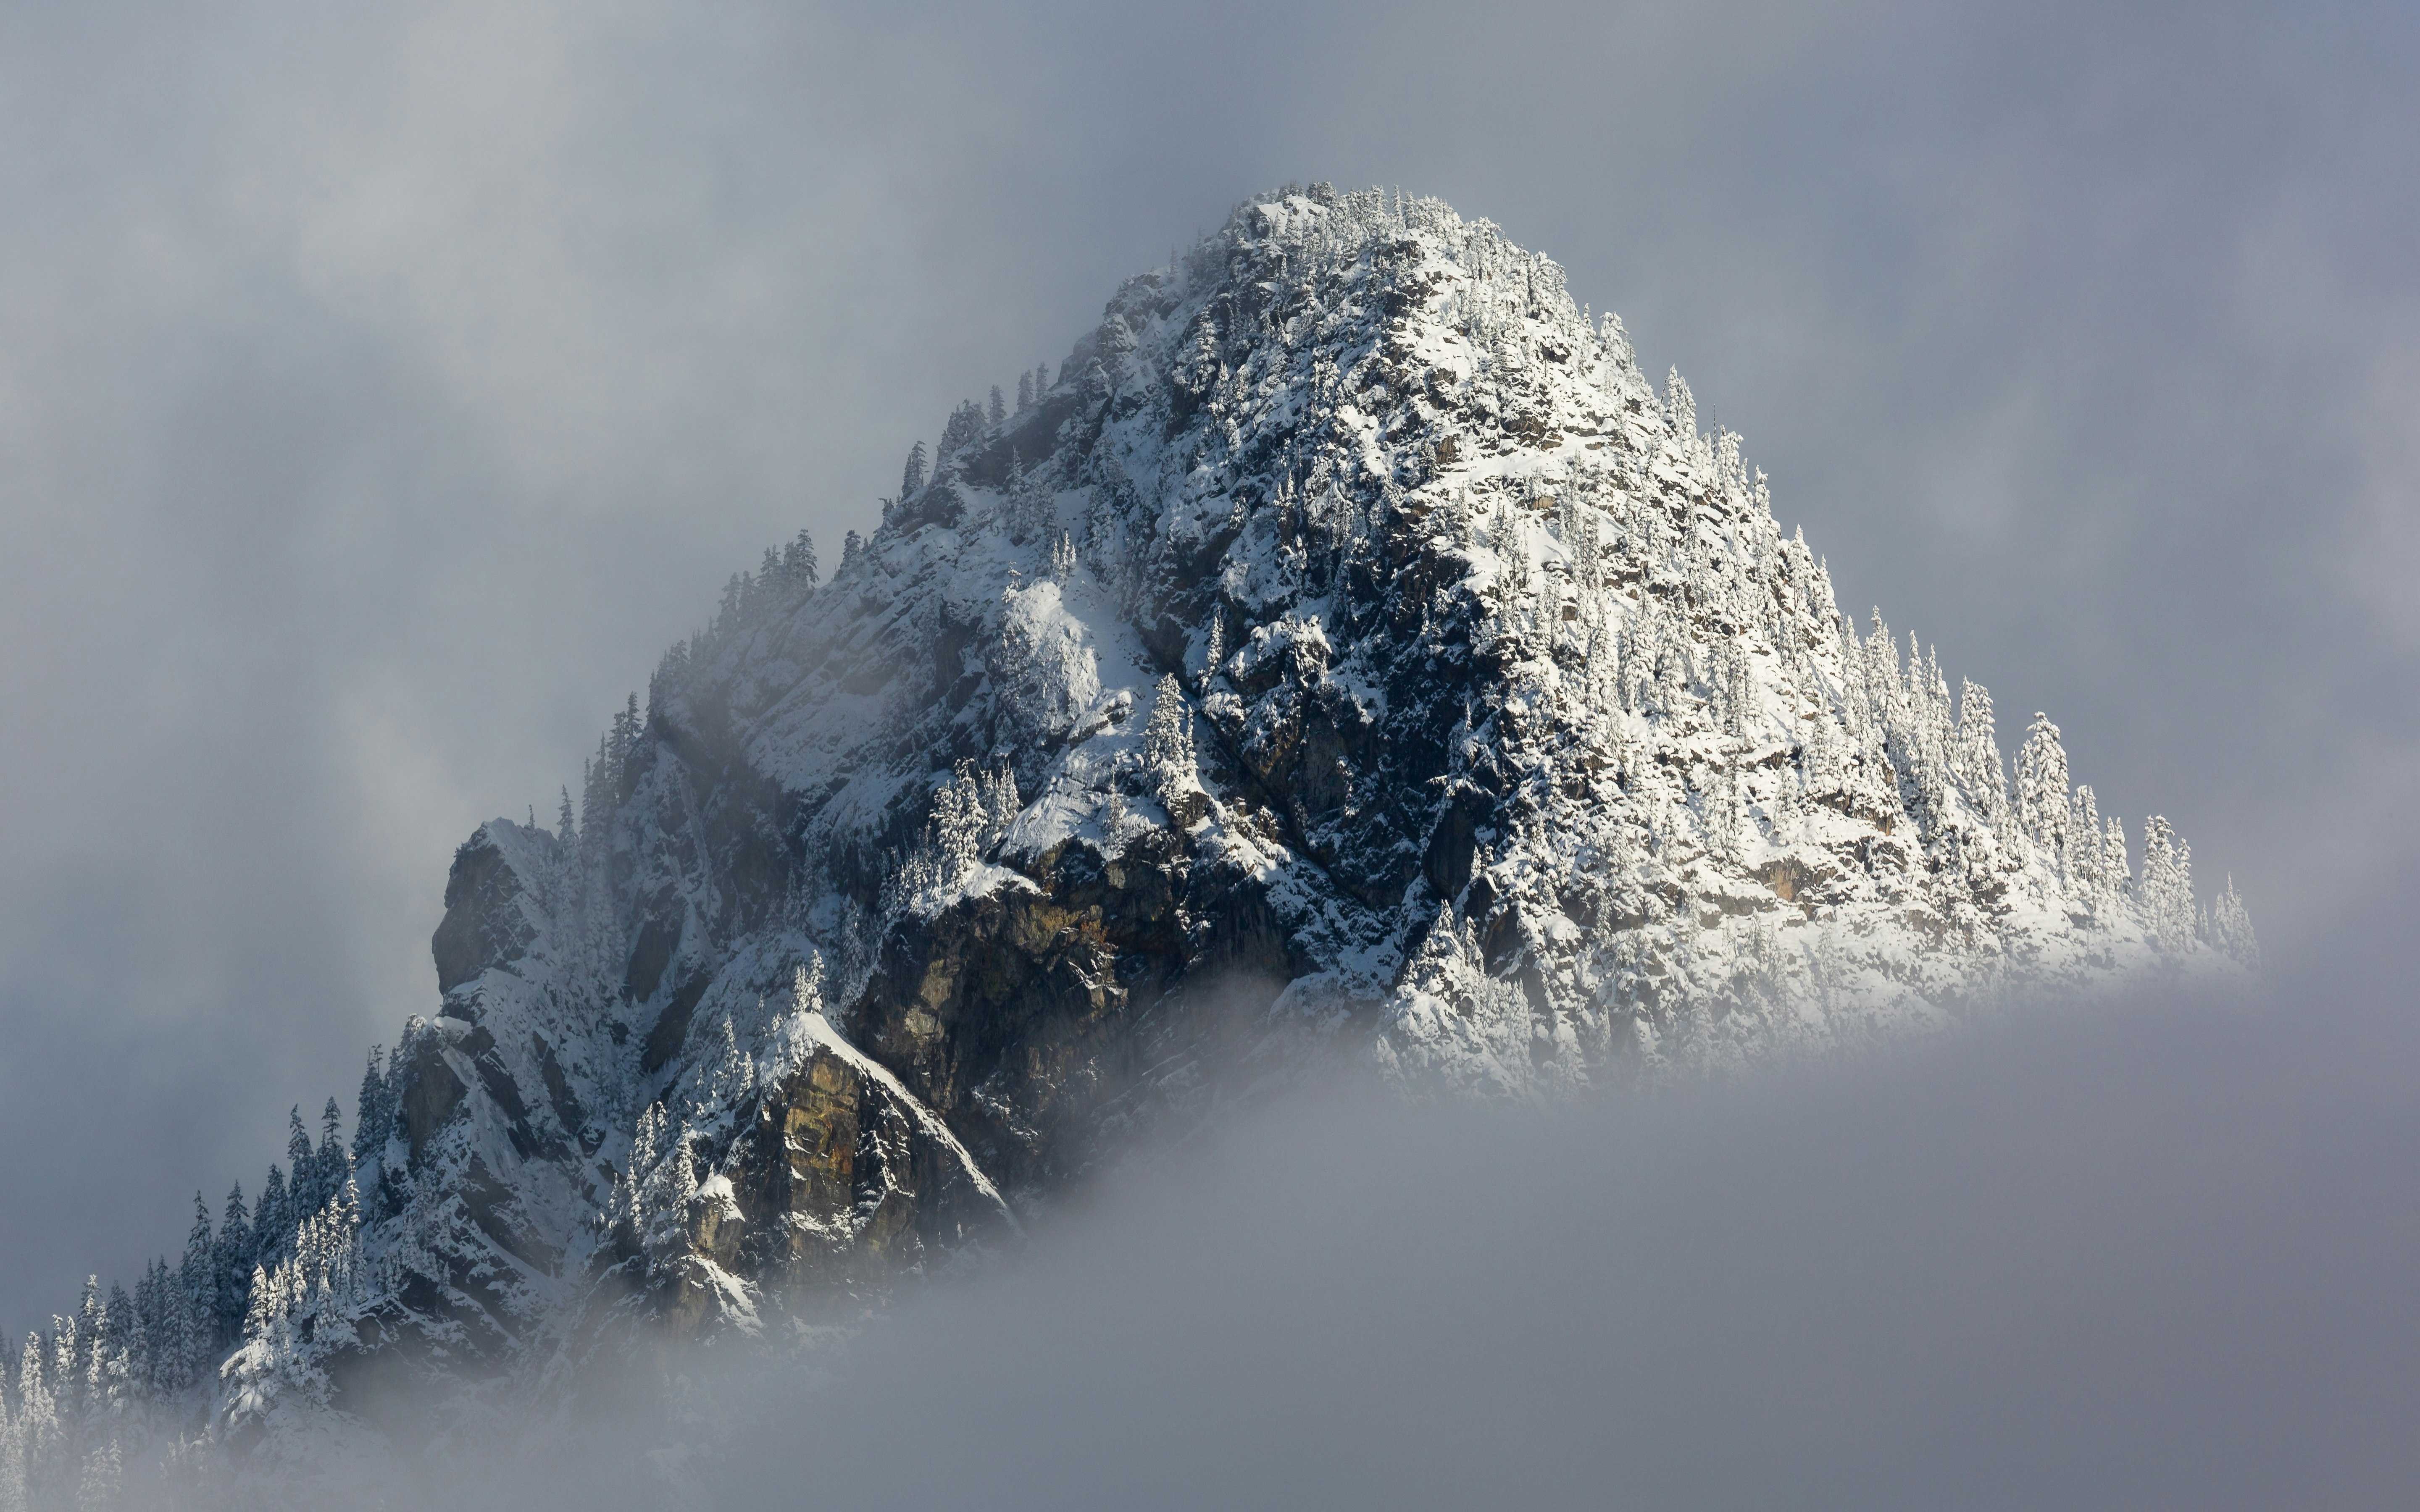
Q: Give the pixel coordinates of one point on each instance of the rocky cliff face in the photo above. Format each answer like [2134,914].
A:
[1350,655]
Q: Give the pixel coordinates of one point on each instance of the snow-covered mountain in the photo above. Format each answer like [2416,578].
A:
[1349,654]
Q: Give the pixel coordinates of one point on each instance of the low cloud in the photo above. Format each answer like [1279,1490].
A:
[2153,1253]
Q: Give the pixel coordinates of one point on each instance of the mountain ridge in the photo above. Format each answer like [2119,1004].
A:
[1349,654]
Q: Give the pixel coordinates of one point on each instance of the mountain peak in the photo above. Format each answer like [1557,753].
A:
[1347,654]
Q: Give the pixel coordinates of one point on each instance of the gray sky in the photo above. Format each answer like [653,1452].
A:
[383,388]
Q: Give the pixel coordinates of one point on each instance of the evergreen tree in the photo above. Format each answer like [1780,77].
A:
[66,1371]
[197,1281]
[595,802]
[912,477]
[2087,862]
[167,1324]
[40,1432]
[963,428]
[303,1193]
[2230,929]
[12,1459]
[1680,406]
[1024,392]
[2164,891]
[994,409]
[2116,871]
[2041,789]
[331,1161]
[232,1256]
[1031,507]
[83,1356]
[120,1355]
[734,1075]
[374,1111]
[1168,735]
[261,1315]
[1980,773]
[273,1220]
[852,546]
[798,563]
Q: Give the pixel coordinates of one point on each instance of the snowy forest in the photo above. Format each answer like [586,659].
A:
[1347,617]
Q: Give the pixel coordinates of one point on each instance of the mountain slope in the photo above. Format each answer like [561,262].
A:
[1350,655]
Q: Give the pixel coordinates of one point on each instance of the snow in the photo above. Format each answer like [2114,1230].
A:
[1553,759]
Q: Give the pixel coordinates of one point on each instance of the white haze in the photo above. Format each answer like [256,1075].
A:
[2153,1254]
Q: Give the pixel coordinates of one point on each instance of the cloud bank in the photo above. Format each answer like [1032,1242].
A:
[2152,1254]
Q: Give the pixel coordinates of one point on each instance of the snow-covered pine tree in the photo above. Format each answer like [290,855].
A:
[806,988]
[798,563]
[2116,874]
[732,1077]
[2041,789]
[40,1435]
[968,815]
[651,1200]
[374,1107]
[994,409]
[303,1193]
[912,477]
[64,1368]
[330,1163]
[91,1322]
[2164,891]
[963,430]
[12,1459]
[1170,769]
[2230,928]
[1681,407]
[2086,860]
[1980,776]
[260,1316]
[121,1356]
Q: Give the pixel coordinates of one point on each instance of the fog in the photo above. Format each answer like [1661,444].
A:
[2074,1263]
[381,389]
[2153,1254]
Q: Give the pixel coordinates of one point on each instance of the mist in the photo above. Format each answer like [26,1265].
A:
[2154,1251]
[2114,1262]
[381,390]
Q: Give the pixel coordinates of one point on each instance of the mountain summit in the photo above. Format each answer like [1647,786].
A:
[1348,655]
